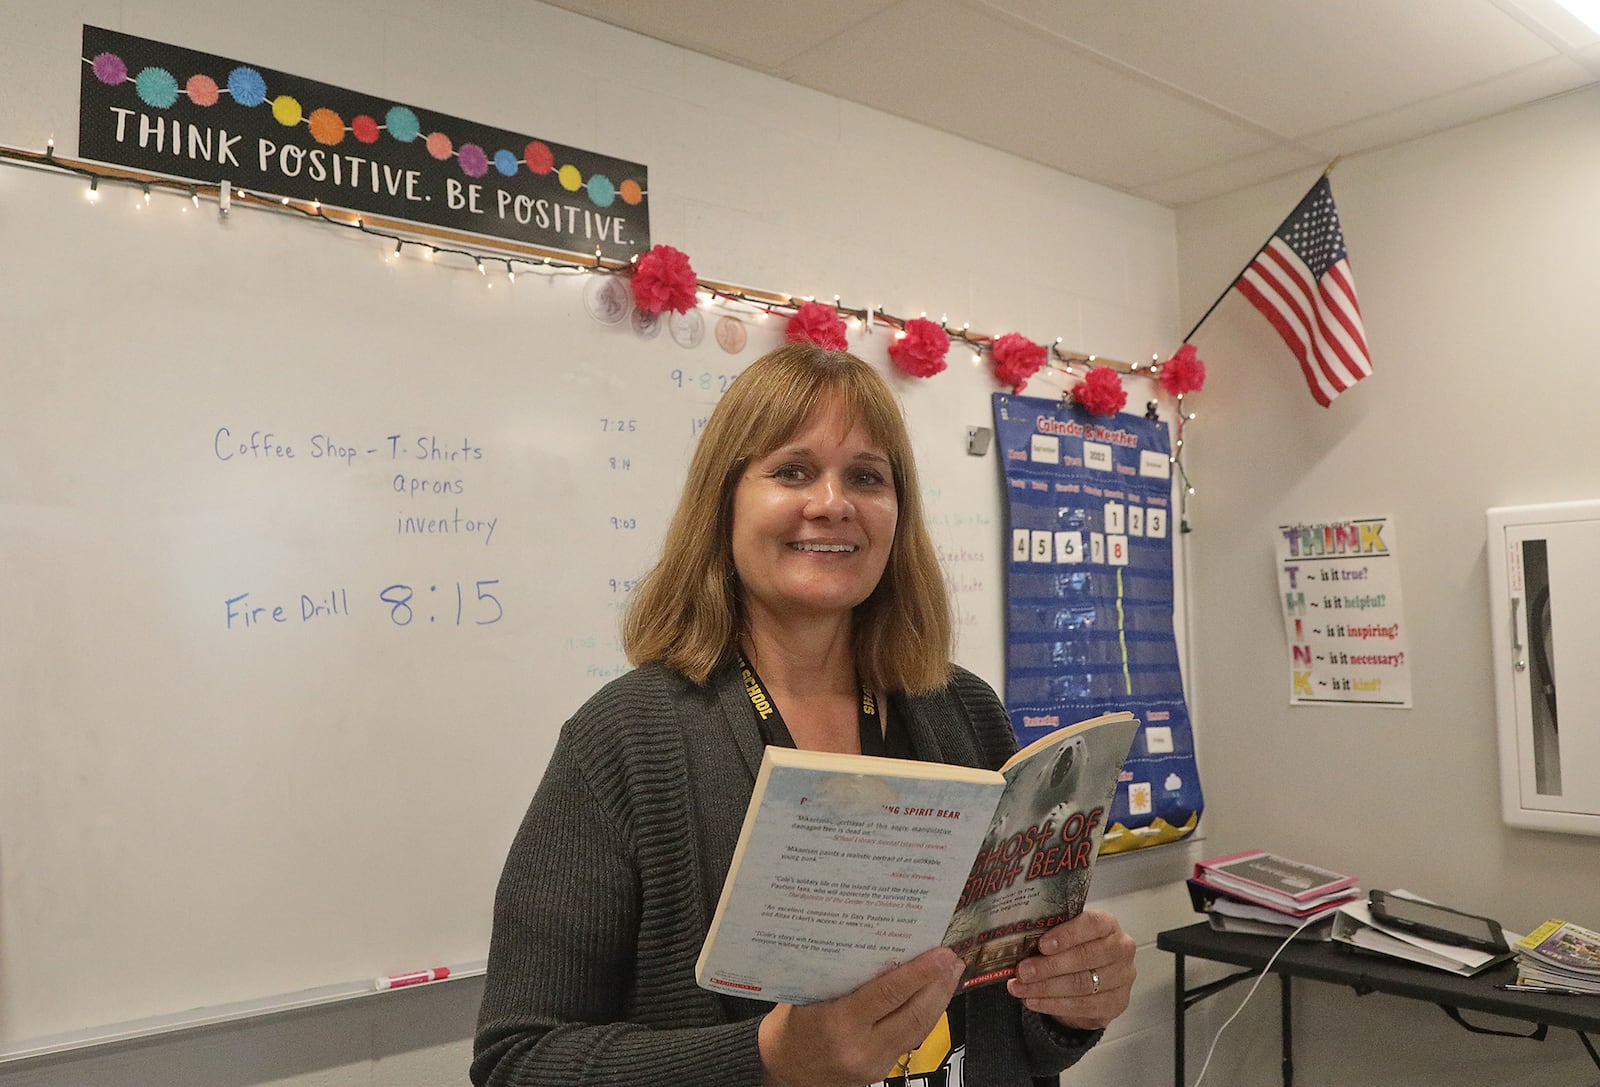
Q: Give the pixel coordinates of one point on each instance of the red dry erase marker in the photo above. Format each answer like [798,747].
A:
[394,981]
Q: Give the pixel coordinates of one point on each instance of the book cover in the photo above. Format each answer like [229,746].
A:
[1200,890]
[1032,872]
[848,865]
[1570,948]
[1266,877]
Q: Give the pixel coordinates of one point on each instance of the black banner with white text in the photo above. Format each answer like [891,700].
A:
[149,106]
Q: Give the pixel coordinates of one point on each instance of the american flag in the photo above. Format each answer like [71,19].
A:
[1300,281]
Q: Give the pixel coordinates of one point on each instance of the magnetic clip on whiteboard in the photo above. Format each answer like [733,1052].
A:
[978,440]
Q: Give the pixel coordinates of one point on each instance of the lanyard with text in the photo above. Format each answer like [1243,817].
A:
[868,721]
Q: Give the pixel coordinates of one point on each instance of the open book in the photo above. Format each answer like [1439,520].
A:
[848,865]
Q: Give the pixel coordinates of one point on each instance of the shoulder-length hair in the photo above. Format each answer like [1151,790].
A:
[688,612]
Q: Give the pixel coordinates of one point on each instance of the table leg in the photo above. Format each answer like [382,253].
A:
[1287,1013]
[1584,1038]
[1179,1007]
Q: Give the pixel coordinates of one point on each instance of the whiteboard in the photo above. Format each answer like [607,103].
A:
[307,552]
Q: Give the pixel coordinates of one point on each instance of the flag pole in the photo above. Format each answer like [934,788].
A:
[1212,308]
[1228,288]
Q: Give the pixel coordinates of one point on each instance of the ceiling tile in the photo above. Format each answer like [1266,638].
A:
[951,67]
[1170,100]
[1551,21]
[1237,173]
[1473,103]
[1296,66]
[759,35]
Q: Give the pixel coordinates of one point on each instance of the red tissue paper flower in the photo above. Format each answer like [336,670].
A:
[921,351]
[1100,392]
[663,280]
[818,323]
[1016,359]
[1183,372]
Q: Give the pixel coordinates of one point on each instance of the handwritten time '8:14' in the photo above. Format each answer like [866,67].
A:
[476,603]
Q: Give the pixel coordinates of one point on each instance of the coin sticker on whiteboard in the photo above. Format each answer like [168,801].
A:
[608,299]
[646,325]
[731,335]
[687,329]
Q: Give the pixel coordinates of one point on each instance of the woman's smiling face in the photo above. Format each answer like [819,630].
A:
[813,522]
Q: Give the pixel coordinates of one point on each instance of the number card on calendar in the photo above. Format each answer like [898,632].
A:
[1089,595]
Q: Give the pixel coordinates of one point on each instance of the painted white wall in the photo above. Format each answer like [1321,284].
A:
[763,184]
[1472,253]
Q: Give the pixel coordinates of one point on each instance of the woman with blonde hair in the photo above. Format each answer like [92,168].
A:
[798,601]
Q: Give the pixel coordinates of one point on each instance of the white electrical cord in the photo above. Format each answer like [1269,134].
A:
[1265,970]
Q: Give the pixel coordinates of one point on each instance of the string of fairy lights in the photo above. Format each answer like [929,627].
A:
[515,259]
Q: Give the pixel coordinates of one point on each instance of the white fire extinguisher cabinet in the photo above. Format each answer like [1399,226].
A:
[1544,603]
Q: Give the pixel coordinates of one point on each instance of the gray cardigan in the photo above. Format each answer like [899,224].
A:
[613,877]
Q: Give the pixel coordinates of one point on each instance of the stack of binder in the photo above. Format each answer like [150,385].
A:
[1355,926]
[1269,895]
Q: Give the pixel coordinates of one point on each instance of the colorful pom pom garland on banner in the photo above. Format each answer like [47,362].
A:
[160,89]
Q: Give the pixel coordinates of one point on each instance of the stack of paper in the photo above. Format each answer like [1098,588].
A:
[1354,924]
[1264,893]
[1559,955]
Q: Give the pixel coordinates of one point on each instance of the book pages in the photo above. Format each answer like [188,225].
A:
[840,876]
